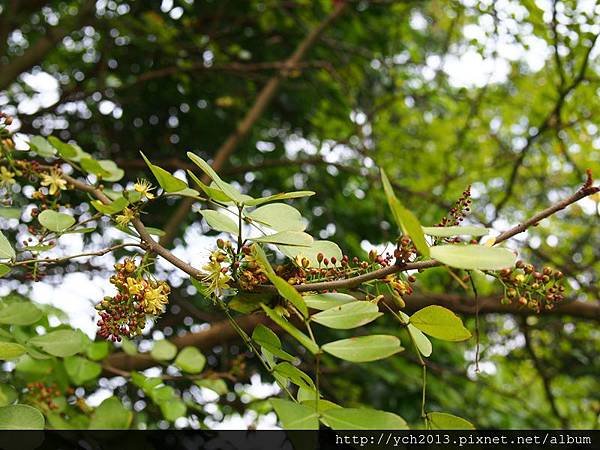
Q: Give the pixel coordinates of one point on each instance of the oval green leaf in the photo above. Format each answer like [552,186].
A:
[11,350]
[363,419]
[364,348]
[55,221]
[445,421]
[421,341]
[440,323]
[166,181]
[21,417]
[190,360]
[474,257]
[6,250]
[350,315]
[20,313]
[294,416]
[455,231]
[293,238]
[163,350]
[279,217]
[219,221]
[60,343]
[328,300]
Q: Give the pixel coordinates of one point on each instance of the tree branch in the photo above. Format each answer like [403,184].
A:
[34,54]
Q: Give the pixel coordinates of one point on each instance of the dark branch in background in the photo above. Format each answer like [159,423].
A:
[45,44]
[550,121]
[222,332]
[262,101]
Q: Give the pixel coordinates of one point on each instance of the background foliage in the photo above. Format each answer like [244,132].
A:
[502,96]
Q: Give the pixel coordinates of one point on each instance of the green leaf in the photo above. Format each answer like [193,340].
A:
[41,146]
[92,166]
[279,217]
[187,192]
[327,248]
[404,218]
[471,257]
[66,151]
[190,360]
[445,421]
[129,347]
[56,221]
[114,172]
[11,350]
[440,323]
[4,270]
[212,192]
[163,350]
[232,193]
[294,416]
[421,341]
[293,238]
[268,340]
[81,370]
[456,231]
[60,343]
[219,386]
[281,196]
[21,417]
[20,313]
[97,350]
[173,409]
[350,315]
[328,300]
[291,329]
[10,213]
[364,348]
[167,181]
[117,205]
[111,414]
[285,289]
[219,221]
[6,250]
[363,419]
[8,394]
[295,375]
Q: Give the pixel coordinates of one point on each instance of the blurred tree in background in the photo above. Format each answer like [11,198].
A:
[294,95]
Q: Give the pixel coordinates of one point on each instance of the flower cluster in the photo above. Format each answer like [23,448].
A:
[125,313]
[42,396]
[533,289]
[399,287]
[461,208]
[6,142]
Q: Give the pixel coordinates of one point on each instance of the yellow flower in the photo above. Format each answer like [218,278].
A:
[216,280]
[155,299]
[144,187]
[6,176]
[125,218]
[134,287]
[54,181]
